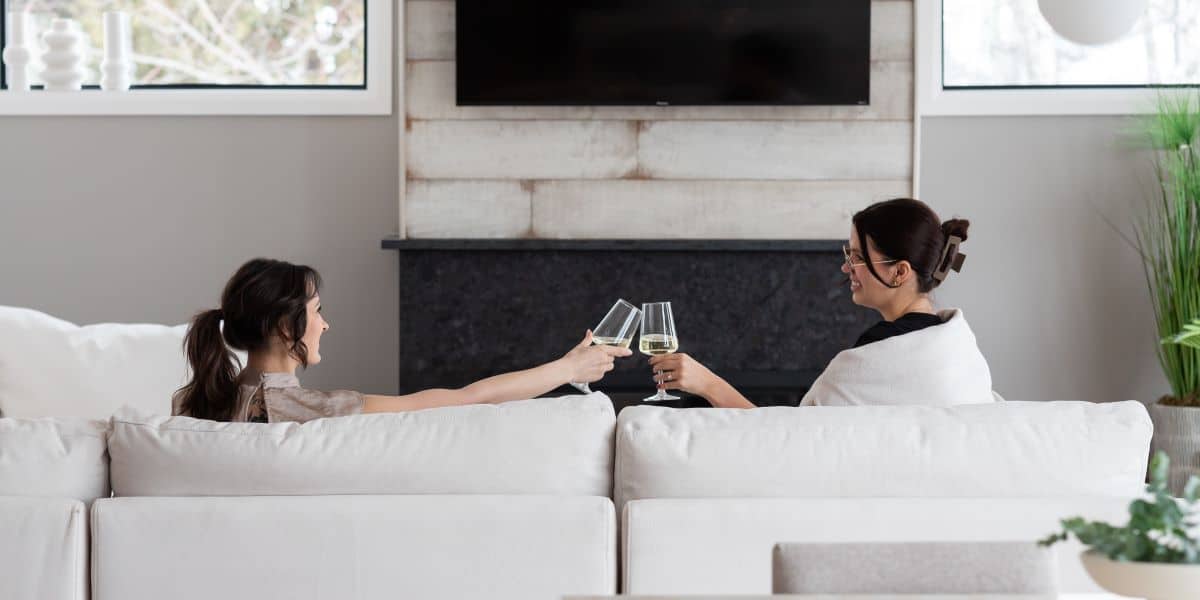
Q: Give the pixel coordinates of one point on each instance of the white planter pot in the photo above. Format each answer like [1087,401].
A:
[1153,581]
[1177,432]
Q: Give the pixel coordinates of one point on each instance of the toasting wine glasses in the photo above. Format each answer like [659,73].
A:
[658,337]
[617,328]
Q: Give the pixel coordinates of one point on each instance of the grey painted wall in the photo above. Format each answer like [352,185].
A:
[1056,298]
[142,219]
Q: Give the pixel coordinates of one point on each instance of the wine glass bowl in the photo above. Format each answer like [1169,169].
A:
[617,328]
[658,337]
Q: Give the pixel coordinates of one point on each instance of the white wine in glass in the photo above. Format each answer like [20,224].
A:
[658,337]
[653,343]
[611,341]
[617,328]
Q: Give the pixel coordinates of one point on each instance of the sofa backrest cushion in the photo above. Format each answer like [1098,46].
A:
[554,446]
[53,368]
[1003,449]
[62,458]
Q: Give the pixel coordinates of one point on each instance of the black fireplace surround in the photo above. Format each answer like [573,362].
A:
[767,315]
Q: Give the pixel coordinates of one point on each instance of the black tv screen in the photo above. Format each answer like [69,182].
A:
[663,52]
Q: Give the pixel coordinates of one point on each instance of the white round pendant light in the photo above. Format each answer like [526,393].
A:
[1092,22]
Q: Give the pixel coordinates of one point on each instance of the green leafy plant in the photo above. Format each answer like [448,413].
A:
[1190,336]
[1168,239]
[1161,528]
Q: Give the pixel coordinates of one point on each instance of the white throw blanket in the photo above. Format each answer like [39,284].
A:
[935,366]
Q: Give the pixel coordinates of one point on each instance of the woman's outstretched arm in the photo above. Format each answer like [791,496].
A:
[679,371]
[584,362]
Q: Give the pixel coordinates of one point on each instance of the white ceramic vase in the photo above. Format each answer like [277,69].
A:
[64,57]
[1153,581]
[17,54]
[116,70]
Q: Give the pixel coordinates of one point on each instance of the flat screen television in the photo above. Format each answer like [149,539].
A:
[663,52]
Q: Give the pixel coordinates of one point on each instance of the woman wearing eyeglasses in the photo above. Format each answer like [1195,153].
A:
[898,252]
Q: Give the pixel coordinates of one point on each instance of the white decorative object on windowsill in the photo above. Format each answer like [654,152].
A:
[16,53]
[1092,22]
[64,70]
[116,70]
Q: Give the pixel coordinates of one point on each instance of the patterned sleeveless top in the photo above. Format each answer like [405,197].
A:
[278,397]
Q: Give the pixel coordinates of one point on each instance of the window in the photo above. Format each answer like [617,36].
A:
[1002,57]
[225,57]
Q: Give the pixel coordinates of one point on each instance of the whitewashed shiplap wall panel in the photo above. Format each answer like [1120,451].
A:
[521,149]
[891,30]
[631,209]
[702,209]
[429,31]
[775,150]
[587,172]
[473,209]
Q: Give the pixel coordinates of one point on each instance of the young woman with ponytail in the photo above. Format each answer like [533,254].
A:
[272,310]
[898,252]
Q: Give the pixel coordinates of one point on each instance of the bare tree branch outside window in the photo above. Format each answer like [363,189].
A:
[227,42]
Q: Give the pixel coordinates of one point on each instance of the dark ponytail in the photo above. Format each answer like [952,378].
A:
[214,370]
[907,229]
[956,227]
[264,299]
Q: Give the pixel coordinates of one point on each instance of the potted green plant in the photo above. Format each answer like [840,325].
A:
[1168,239]
[1157,554]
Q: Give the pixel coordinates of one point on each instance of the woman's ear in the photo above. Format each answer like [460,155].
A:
[284,331]
[903,271]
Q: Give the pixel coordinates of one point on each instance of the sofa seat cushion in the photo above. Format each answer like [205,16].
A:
[363,547]
[545,446]
[62,458]
[43,548]
[1000,449]
[724,546]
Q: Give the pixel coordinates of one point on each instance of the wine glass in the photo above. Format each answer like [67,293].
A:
[658,337]
[617,328]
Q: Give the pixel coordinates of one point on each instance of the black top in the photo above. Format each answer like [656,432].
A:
[907,323]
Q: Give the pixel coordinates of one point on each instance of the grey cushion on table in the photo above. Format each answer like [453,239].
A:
[914,568]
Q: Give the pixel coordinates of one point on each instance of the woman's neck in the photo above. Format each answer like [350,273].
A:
[904,305]
[267,362]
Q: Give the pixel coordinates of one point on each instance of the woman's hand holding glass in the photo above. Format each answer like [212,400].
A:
[587,362]
[617,328]
[678,371]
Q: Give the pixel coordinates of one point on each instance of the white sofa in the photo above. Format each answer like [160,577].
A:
[50,469]
[516,500]
[497,501]
[706,495]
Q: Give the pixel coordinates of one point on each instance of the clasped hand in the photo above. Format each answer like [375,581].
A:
[588,363]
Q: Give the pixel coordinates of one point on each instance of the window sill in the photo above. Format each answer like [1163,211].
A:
[197,102]
[935,102]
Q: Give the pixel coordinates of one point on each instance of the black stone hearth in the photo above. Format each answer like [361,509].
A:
[766,315]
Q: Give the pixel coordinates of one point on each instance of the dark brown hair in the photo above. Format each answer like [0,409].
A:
[907,229]
[263,298]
